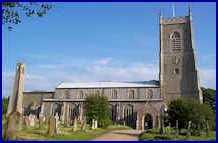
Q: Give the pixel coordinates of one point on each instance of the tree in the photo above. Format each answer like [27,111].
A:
[13,11]
[209,97]
[97,107]
[185,110]
[5,102]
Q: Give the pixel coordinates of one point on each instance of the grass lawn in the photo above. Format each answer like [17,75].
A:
[66,133]
[154,135]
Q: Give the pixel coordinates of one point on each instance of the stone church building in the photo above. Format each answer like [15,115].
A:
[138,105]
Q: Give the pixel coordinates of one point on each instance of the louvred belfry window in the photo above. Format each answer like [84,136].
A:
[176,41]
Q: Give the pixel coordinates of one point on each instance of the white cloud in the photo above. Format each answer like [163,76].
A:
[208,77]
[48,76]
[103,61]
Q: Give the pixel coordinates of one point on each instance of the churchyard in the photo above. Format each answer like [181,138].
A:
[34,128]
[67,133]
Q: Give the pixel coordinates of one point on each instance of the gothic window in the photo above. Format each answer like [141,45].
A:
[114,94]
[175,40]
[146,94]
[131,94]
[98,92]
[149,94]
[81,95]
[67,94]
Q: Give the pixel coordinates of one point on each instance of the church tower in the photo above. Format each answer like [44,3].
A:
[178,72]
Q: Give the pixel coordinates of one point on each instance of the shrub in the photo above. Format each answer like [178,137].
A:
[165,137]
[189,110]
[97,107]
[5,102]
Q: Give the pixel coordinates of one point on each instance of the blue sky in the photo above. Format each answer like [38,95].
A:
[101,41]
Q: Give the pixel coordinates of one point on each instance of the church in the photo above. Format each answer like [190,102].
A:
[138,105]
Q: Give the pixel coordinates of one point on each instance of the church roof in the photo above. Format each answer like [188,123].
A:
[107,84]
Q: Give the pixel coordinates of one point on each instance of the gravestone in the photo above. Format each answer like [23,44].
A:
[32,120]
[27,121]
[41,120]
[52,128]
[14,111]
[207,128]
[189,128]
[74,124]
[96,124]
[177,127]
[93,123]
[57,123]
[83,126]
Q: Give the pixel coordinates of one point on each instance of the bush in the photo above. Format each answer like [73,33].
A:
[209,98]
[5,102]
[189,110]
[165,137]
[97,107]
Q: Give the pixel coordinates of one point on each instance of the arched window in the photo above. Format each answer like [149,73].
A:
[114,94]
[131,94]
[81,95]
[175,40]
[67,94]
[176,71]
[149,94]
[97,92]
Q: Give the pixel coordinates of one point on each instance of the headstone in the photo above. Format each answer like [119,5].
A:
[161,125]
[41,120]
[189,128]
[177,127]
[207,128]
[93,126]
[83,126]
[32,120]
[14,111]
[75,125]
[96,124]
[27,121]
[52,128]
[57,123]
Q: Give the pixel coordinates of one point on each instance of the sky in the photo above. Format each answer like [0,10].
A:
[82,42]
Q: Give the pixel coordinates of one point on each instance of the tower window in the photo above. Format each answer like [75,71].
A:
[176,71]
[175,39]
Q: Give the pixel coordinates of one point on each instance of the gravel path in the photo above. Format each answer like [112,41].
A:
[119,135]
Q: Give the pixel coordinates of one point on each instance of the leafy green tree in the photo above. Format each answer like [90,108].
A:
[185,110]
[12,12]
[5,102]
[178,110]
[97,107]
[209,97]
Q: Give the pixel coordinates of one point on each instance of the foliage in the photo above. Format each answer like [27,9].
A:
[13,11]
[156,136]
[97,107]
[188,110]
[5,102]
[209,97]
